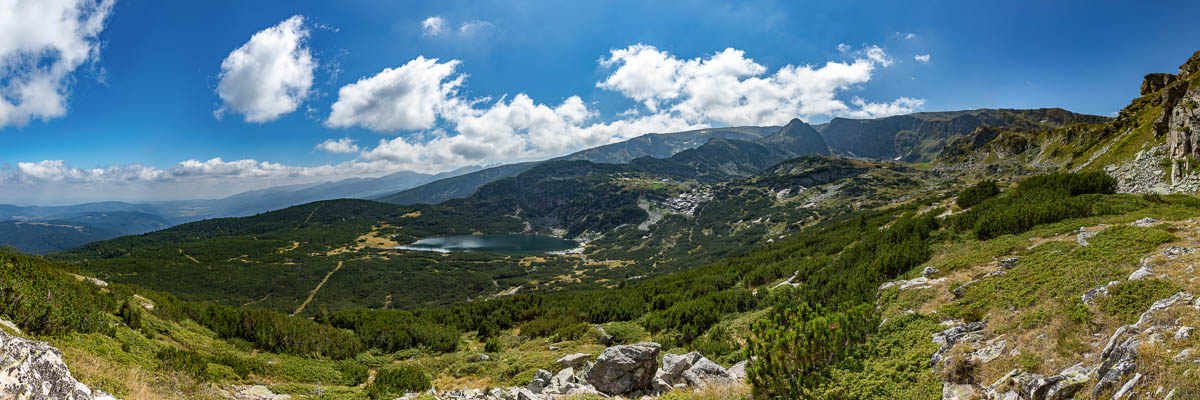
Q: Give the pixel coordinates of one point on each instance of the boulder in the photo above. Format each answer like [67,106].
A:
[1092,294]
[1145,222]
[1009,263]
[1084,235]
[673,366]
[929,271]
[1143,272]
[603,337]
[738,372]
[540,380]
[970,332]
[257,392]
[624,369]
[573,360]
[704,372]
[1184,333]
[35,370]
[957,391]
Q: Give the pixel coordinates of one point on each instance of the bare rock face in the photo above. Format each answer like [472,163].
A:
[1155,82]
[34,370]
[1191,65]
[625,369]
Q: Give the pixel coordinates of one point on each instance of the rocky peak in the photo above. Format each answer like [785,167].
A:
[1191,65]
[1155,82]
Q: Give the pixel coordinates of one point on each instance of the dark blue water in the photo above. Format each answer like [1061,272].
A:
[493,244]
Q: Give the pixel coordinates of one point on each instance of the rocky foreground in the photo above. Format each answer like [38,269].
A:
[34,370]
[629,371]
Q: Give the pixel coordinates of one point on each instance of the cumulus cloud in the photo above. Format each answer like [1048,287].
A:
[41,44]
[450,130]
[910,36]
[406,98]
[729,88]
[921,58]
[842,47]
[59,171]
[270,75]
[342,146]
[865,109]
[433,26]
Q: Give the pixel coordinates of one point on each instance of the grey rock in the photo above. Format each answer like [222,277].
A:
[1093,293]
[1143,272]
[35,370]
[673,366]
[1009,263]
[738,372]
[1083,236]
[660,386]
[1184,333]
[956,391]
[1145,222]
[1154,82]
[705,372]
[1128,387]
[573,360]
[953,335]
[540,380]
[624,369]
[603,337]
[1184,355]
[929,271]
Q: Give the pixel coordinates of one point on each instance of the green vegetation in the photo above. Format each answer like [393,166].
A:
[1038,200]
[394,382]
[977,193]
[1127,300]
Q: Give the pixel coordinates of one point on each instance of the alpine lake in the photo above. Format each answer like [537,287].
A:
[509,244]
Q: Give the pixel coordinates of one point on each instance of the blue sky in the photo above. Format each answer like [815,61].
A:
[514,80]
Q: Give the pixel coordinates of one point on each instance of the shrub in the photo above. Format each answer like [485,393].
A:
[394,382]
[1074,184]
[794,349]
[353,372]
[219,372]
[1129,299]
[625,332]
[547,325]
[977,193]
[493,345]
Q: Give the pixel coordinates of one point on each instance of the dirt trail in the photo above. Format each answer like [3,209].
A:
[188,256]
[310,214]
[314,291]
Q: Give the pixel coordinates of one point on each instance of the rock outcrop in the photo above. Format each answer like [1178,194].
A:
[630,372]
[625,369]
[35,370]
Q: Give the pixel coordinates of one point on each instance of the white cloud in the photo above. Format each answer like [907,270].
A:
[921,58]
[59,171]
[42,43]
[725,88]
[842,47]
[474,27]
[406,98]
[341,146]
[910,36]
[270,75]
[433,26]
[728,88]
[865,110]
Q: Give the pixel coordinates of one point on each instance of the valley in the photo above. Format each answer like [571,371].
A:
[992,253]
